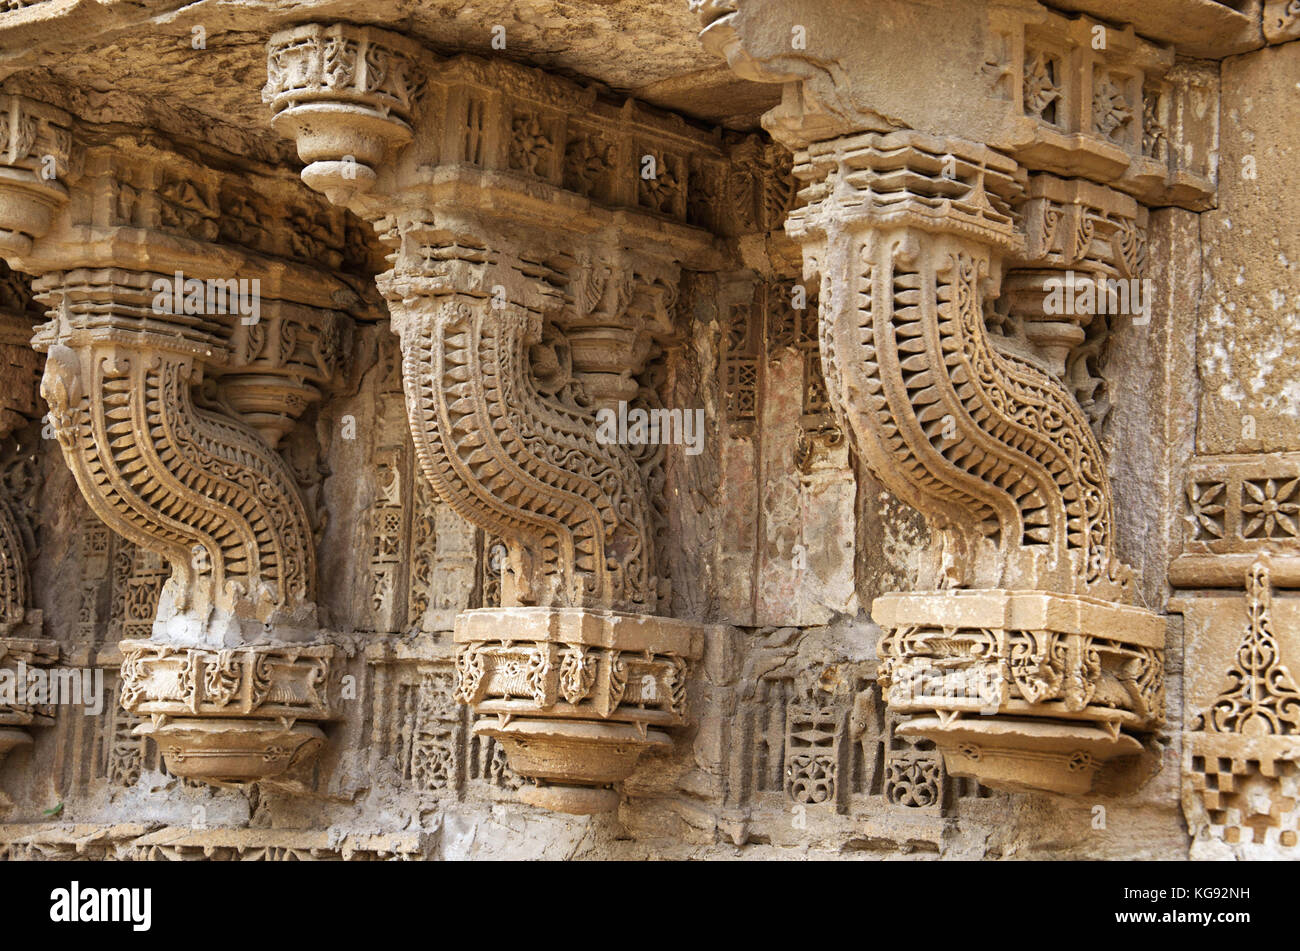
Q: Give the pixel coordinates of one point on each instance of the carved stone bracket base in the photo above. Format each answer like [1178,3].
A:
[18,657]
[228,716]
[1022,690]
[1022,755]
[232,751]
[574,696]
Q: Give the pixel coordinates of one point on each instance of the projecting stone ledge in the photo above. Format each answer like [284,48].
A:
[574,696]
[229,715]
[1022,690]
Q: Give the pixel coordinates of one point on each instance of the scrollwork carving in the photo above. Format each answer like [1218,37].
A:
[520,463]
[201,489]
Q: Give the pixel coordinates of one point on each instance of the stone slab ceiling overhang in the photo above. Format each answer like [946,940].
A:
[133,62]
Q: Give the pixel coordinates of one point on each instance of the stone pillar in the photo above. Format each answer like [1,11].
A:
[1020,653]
[537,231]
[180,345]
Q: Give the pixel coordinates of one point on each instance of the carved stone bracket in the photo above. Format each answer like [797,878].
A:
[228,715]
[909,235]
[912,211]
[190,324]
[201,489]
[574,696]
[537,232]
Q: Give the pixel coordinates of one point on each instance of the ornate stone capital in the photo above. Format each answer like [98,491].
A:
[574,696]
[345,93]
[1022,690]
[228,715]
[36,158]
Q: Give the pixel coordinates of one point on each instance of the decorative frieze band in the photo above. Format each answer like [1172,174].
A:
[267,682]
[1240,507]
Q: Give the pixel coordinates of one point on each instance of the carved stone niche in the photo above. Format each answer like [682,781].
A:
[188,327]
[537,234]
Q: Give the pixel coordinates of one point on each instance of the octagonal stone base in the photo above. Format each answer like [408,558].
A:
[574,696]
[1022,690]
[233,751]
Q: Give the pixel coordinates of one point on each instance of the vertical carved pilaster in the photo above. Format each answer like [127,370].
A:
[1241,756]
[21,645]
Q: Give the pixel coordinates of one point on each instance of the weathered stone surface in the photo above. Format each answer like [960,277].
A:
[927,563]
[1248,349]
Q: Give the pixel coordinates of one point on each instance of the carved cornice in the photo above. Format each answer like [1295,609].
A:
[446,128]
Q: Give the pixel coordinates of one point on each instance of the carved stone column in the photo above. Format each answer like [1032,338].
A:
[534,273]
[183,340]
[1020,655]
